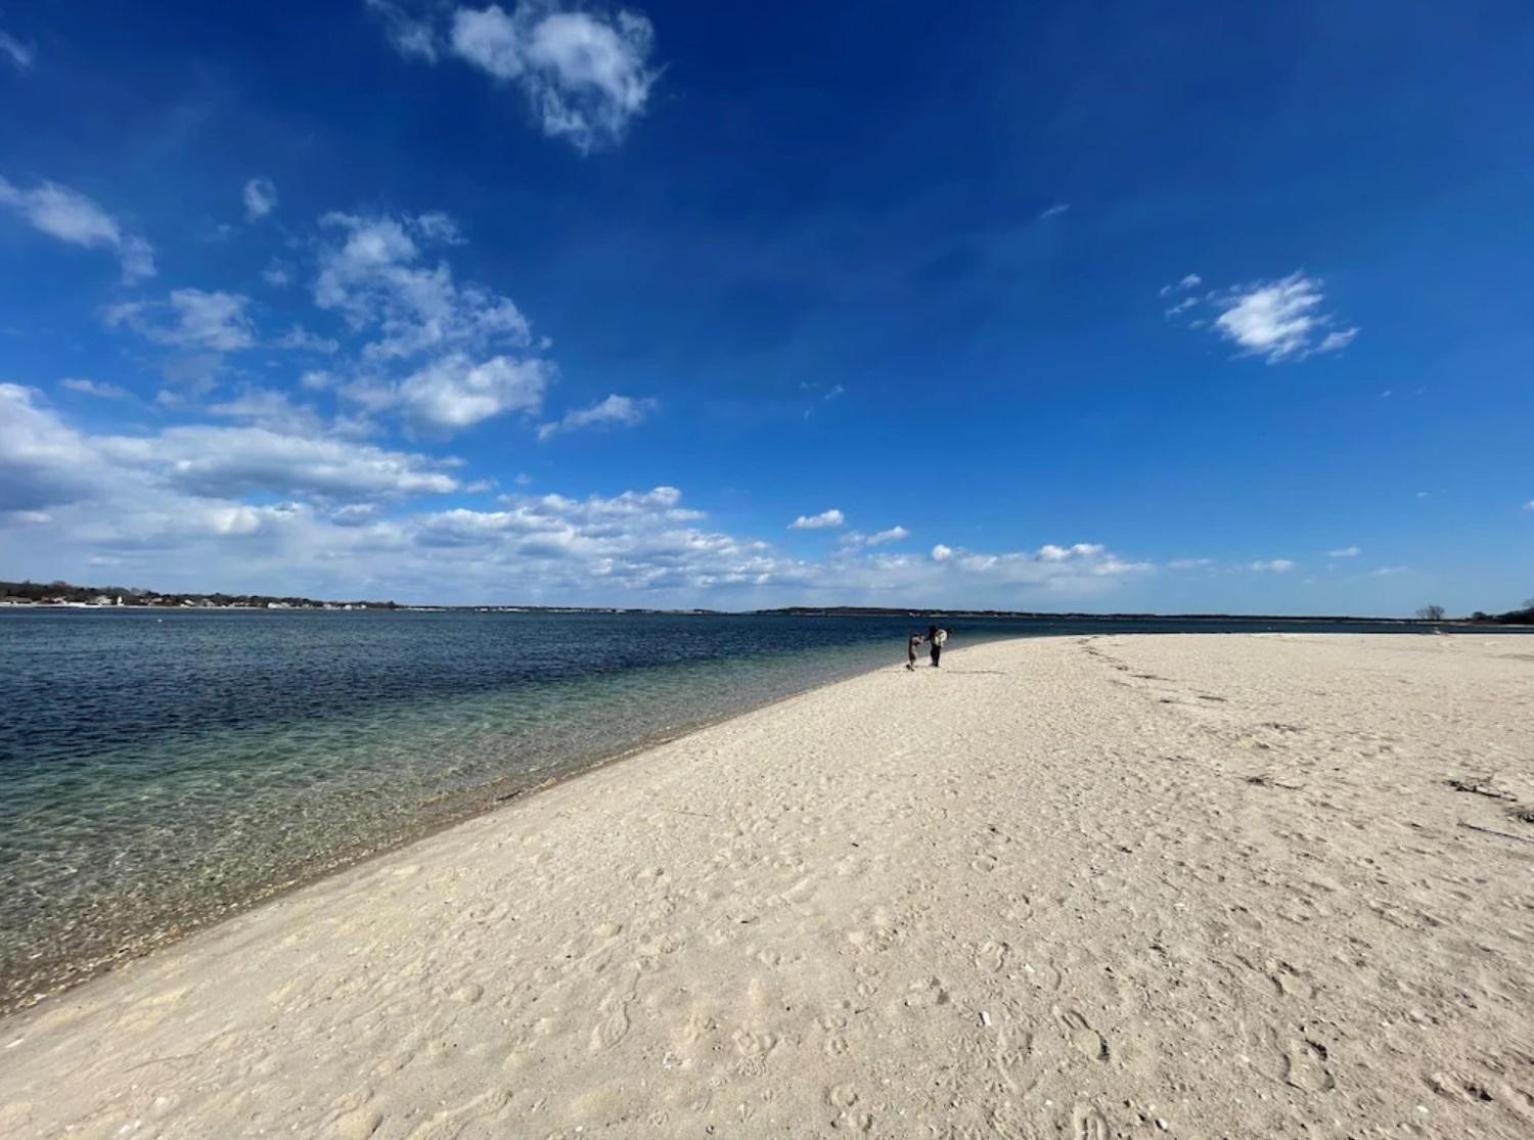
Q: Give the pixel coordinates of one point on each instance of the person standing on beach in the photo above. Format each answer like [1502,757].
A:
[938,638]
[910,650]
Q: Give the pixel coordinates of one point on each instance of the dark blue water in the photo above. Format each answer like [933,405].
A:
[158,769]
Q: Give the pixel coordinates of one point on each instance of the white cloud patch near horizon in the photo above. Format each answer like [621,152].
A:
[824,520]
[71,217]
[1344,552]
[265,505]
[260,198]
[1272,565]
[614,411]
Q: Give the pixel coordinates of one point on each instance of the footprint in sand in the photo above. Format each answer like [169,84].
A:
[614,1025]
[991,956]
[1088,1124]
[1086,1039]
[1304,1066]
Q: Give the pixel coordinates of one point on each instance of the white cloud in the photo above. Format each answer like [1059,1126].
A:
[822,521]
[411,35]
[857,538]
[1189,563]
[455,392]
[277,275]
[260,197]
[21,55]
[95,388]
[190,319]
[1272,565]
[1344,552]
[1190,281]
[300,339]
[1054,211]
[1389,571]
[1280,320]
[616,410]
[584,75]
[276,502]
[71,217]
[375,279]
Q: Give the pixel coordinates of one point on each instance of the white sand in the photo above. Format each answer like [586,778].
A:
[1207,886]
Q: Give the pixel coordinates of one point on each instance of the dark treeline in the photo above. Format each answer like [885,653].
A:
[1524,616]
[41,593]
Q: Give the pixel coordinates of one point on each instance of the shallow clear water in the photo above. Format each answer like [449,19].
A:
[160,769]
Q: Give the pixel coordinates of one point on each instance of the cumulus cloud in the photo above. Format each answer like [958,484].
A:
[19,54]
[189,319]
[822,521]
[455,392]
[71,217]
[260,197]
[276,498]
[95,388]
[1271,565]
[205,459]
[584,75]
[377,279]
[615,411]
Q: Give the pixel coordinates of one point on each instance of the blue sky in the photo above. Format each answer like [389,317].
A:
[1070,306]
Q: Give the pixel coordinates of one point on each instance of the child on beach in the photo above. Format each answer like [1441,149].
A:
[910,650]
[938,638]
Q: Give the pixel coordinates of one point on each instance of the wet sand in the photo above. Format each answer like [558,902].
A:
[1197,885]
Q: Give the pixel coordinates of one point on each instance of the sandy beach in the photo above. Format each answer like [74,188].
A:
[1196,886]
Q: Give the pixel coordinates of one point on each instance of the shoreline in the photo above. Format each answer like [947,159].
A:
[484,800]
[1195,884]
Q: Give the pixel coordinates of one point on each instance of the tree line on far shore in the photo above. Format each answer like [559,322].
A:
[56,593]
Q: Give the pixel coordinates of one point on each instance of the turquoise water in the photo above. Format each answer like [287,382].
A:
[158,770]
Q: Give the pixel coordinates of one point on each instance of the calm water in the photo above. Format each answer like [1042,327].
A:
[160,769]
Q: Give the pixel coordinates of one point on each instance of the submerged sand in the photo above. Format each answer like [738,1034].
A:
[1197,886]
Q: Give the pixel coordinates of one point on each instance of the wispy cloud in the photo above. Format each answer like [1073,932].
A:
[260,198]
[189,319]
[1344,552]
[615,411]
[71,217]
[1189,563]
[19,54]
[1272,565]
[856,538]
[95,388]
[1279,320]
[411,35]
[1054,211]
[1388,571]
[824,520]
